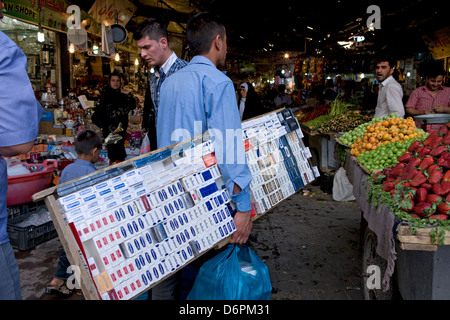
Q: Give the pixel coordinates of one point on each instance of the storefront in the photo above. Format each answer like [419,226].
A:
[68,69]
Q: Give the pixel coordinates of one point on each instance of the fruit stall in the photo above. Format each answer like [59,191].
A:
[321,127]
[401,180]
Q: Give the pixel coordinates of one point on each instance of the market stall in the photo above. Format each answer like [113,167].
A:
[404,229]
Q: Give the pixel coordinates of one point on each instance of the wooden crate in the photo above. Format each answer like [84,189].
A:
[420,240]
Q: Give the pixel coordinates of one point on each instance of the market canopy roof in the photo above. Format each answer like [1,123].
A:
[306,26]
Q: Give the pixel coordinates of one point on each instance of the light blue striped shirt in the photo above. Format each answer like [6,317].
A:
[198,98]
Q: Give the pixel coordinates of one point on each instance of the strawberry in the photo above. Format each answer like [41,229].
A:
[446,176]
[435,177]
[443,130]
[421,194]
[408,175]
[405,157]
[447,198]
[435,142]
[414,146]
[425,151]
[445,186]
[418,179]
[444,208]
[428,140]
[438,150]
[415,215]
[407,205]
[442,188]
[388,186]
[424,209]
[426,162]
[446,138]
[397,170]
[438,217]
[412,164]
[434,198]
[427,186]
[432,168]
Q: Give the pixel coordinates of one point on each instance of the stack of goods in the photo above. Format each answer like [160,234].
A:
[145,219]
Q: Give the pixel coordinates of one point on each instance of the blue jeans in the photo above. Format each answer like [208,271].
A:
[9,275]
[61,268]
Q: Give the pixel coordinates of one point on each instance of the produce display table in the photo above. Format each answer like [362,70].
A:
[411,264]
[322,148]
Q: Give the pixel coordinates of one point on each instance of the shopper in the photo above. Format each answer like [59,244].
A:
[433,97]
[390,91]
[282,99]
[20,114]
[200,97]
[248,102]
[112,109]
[88,145]
[152,39]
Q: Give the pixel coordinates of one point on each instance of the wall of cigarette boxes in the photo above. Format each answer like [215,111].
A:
[140,222]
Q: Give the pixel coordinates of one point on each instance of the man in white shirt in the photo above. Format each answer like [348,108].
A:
[391,93]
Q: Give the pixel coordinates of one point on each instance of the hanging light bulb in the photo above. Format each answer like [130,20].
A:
[117,57]
[95,49]
[71,48]
[136,62]
[40,35]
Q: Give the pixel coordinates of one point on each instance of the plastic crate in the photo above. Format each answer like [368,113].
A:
[25,238]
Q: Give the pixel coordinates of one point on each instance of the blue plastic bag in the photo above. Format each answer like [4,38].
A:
[236,273]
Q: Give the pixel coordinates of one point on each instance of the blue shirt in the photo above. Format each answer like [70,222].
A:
[172,65]
[20,112]
[76,169]
[198,98]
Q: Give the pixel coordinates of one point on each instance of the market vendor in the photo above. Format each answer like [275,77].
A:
[433,97]
[113,107]
[390,91]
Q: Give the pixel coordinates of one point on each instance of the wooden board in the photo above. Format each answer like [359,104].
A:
[420,240]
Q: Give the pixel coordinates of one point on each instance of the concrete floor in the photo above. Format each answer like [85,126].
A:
[309,243]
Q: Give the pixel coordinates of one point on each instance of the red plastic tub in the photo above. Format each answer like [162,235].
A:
[22,187]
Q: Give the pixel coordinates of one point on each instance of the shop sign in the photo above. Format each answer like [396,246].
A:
[103,11]
[439,43]
[48,13]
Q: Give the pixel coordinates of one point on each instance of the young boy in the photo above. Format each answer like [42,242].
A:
[87,145]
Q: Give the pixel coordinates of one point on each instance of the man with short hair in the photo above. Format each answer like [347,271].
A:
[200,97]
[433,97]
[153,40]
[390,91]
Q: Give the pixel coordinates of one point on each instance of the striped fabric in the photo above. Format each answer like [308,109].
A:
[421,99]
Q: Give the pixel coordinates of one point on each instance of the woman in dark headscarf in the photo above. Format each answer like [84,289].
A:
[249,103]
[113,107]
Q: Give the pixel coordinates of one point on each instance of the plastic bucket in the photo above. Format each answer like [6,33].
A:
[22,187]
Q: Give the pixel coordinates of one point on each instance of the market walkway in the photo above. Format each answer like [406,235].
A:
[310,245]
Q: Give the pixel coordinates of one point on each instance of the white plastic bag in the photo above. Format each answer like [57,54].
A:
[145,145]
[342,188]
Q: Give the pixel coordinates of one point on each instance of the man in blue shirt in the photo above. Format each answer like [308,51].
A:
[152,39]
[20,113]
[198,98]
